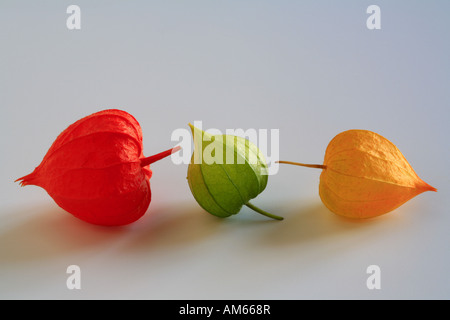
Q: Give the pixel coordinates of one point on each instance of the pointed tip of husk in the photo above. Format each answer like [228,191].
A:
[430,188]
[25,180]
[422,185]
[198,133]
[194,129]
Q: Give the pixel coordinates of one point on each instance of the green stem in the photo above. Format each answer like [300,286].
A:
[264,213]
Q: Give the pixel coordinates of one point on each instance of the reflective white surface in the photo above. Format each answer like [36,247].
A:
[311,69]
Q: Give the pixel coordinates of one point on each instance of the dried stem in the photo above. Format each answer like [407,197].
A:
[159,156]
[317,166]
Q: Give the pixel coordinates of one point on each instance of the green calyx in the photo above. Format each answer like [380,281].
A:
[225,173]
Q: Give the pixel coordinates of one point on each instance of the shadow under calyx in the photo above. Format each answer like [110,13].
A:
[48,232]
[313,222]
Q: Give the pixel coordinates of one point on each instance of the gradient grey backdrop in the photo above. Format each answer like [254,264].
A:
[309,68]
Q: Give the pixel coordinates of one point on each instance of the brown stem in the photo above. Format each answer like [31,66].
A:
[159,156]
[318,166]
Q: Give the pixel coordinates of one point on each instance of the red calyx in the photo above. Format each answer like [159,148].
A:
[96,169]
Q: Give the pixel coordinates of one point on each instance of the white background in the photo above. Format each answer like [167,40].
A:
[309,68]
